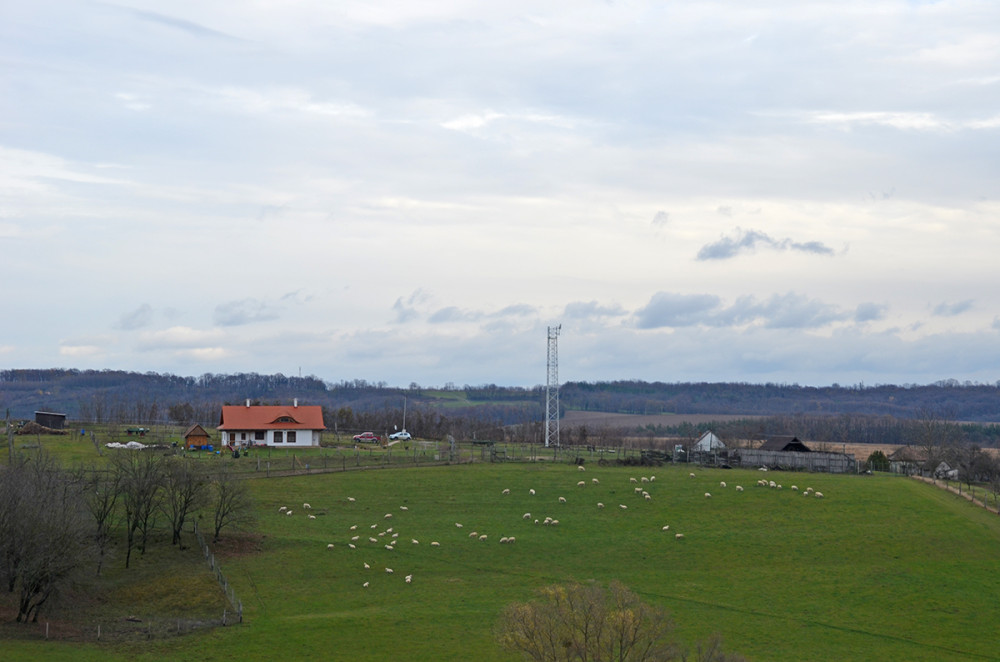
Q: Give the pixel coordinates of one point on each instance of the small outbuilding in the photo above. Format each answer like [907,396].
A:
[707,443]
[50,419]
[196,437]
[784,444]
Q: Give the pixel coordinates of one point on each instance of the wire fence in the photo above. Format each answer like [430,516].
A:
[227,589]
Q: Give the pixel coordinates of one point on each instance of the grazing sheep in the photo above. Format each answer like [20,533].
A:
[722,484]
[666,528]
[652,478]
[594,481]
[536,521]
[739,488]
[772,484]
[354,528]
[367,567]
[288,512]
[312,517]
[365,585]
[351,545]
[415,541]
[350,498]
[330,546]
[708,495]
[458,525]
[403,508]
[526,516]
[580,468]
[794,488]
[779,486]
[819,494]
[388,516]
[679,536]
[282,509]
[548,520]
[474,534]
[638,490]
[482,537]
[503,541]
[409,578]
[647,497]
[562,499]
[388,571]
[435,543]
[691,474]
[381,533]
[306,506]
[600,505]
[644,479]
[395,535]
[390,547]
[373,540]
[632,480]
[510,541]
[373,526]
[555,522]
[531,492]
[581,483]
[505,492]
[389,530]
[623,506]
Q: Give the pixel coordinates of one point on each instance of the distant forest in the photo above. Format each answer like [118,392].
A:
[865,413]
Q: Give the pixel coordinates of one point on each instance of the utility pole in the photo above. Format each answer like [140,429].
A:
[552,388]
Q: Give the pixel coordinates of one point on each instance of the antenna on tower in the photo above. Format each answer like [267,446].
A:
[552,388]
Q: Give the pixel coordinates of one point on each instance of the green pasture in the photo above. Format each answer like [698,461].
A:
[880,568]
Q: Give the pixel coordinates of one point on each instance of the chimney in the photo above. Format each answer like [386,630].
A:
[295,402]
[248,402]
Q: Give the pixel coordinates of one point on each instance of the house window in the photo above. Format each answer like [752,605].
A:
[291,436]
[278,436]
[243,436]
[258,435]
[232,436]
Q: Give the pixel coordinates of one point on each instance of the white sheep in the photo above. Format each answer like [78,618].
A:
[458,525]
[582,483]
[548,520]
[312,517]
[771,484]
[555,522]
[647,497]
[373,526]
[365,585]
[652,478]
[644,479]
[390,547]
[531,491]
[409,578]
[623,506]
[632,480]
[381,534]
[288,512]
[350,499]
[474,534]
[435,543]
[708,495]
[666,528]
[505,492]
[739,488]
[367,567]
[373,540]
[594,481]
[562,499]
[819,494]
[679,536]
[482,537]
[526,516]
[388,516]
[330,546]
[794,488]
[388,571]
[580,468]
[403,508]
[351,545]
[536,521]
[282,509]
[722,484]
[503,541]
[389,530]
[415,541]
[354,528]
[691,474]
[395,535]
[600,505]
[306,506]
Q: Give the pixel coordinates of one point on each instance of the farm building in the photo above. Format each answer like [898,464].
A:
[707,443]
[271,425]
[788,452]
[50,419]
[913,461]
[196,437]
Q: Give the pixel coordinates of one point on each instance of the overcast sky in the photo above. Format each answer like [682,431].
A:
[411,191]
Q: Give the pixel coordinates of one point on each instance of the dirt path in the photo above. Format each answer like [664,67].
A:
[955,490]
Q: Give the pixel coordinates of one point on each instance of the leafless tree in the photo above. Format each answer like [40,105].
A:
[232,504]
[141,477]
[101,489]
[185,490]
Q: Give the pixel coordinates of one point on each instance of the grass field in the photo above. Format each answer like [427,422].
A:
[879,569]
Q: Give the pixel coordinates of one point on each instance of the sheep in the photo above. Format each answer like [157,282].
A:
[531,491]
[474,534]
[312,517]
[691,474]
[555,522]
[365,585]
[600,505]
[389,530]
[409,578]
[644,479]
[373,540]
[708,495]
[351,545]
[403,508]
[388,571]
[772,484]
[307,506]
[819,494]
[623,506]
[390,547]
[548,520]
[414,541]
[350,499]
[794,488]
[395,535]
[503,541]
[536,521]
[722,484]
[645,493]
[381,533]
[388,516]
[779,486]
[594,481]
[367,567]
[562,499]
[638,490]
[435,543]
[666,528]
[506,491]
[679,536]
[282,509]
[652,478]
[582,483]
[330,546]
[739,488]
[510,541]
[458,525]
[373,526]
[526,516]
[580,468]
[482,537]
[632,480]
[647,497]
[288,512]
[354,528]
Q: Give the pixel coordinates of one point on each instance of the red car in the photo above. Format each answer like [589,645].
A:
[367,438]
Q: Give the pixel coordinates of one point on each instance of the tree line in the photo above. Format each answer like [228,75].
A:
[57,525]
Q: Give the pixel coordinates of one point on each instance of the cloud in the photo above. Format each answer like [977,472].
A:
[670,309]
[747,241]
[136,319]
[244,311]
[946,309]
[661,218]
[192,341]
[870,312]
[188,27]
[406,309]
[583,310]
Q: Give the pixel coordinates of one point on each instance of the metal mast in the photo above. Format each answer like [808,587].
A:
[552,389]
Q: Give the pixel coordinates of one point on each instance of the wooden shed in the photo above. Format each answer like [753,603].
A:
[50,419]
[196,437]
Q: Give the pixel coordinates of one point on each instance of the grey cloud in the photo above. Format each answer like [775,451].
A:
[870,312]
[516,310]
[138,318]
[661,218]
[670,309]
[180,24]
[406,308]
[747,241]
[946,309]
[591,309]
[244,311]
[451,314]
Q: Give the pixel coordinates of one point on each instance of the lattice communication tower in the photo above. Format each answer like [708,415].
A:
[552,389]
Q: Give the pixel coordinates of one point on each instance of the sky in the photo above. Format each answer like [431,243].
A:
[413,192]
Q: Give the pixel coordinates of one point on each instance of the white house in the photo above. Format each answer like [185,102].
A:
[708,443]
[271,425]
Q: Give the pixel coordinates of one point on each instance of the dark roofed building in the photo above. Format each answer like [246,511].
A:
[50,419]
[784,443]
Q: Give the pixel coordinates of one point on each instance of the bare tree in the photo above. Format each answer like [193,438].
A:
[141,477]
[184,491]
[100,496]
[232,503]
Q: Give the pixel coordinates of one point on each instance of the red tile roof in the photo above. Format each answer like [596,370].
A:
[268,417]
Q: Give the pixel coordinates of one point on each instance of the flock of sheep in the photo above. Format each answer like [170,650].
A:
[388,537]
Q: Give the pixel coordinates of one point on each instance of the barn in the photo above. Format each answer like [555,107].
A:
[271,425]
[789,452]
[196,437]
